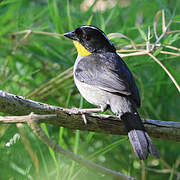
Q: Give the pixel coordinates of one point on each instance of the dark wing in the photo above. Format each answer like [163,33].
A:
[107,71]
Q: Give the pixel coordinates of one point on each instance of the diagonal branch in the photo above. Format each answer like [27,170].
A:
[17,105]
[35,126]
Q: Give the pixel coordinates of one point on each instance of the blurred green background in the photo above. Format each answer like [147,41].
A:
[39,67]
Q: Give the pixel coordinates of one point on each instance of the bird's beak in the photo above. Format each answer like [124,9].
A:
[71,35]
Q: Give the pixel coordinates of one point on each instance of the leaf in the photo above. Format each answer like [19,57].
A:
[143,34]
[176,18]
[90,20]
[171,39]
[157,51]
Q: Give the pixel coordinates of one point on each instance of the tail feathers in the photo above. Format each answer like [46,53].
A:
[139,143]
[142,144]
[140,140]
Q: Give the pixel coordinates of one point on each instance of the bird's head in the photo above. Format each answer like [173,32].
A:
[90,39]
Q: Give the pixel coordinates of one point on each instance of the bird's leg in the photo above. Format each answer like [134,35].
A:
[93,110]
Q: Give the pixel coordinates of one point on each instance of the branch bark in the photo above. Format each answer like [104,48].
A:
[17,105]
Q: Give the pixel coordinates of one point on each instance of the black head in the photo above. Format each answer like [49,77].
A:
[92,38]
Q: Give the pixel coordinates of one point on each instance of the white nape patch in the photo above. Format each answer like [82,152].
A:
[92,27]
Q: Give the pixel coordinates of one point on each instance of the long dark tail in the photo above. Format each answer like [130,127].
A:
[139,138]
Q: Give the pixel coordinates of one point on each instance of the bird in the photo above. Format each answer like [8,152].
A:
[104,80]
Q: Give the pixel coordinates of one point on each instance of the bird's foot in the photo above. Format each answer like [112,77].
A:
[85,111]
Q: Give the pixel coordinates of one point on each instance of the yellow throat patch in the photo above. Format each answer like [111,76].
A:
[82,51]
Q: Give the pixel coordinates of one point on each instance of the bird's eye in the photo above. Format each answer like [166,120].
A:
[85,37]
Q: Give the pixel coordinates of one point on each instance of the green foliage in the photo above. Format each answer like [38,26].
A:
[36,67]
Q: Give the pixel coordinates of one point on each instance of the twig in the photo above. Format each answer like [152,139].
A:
[171,53]
[142,52]
[44,138]
[120,35]
[127,47]
[170,47]
[163,22]
[162,35]
[169,167]
[52,90]
[47,85]
[162,171]
[174,31]
[165,69]
[156,18]
[28,32]
[133,54]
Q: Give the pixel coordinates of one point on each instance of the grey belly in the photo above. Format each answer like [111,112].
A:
[99,97]
[92,94]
